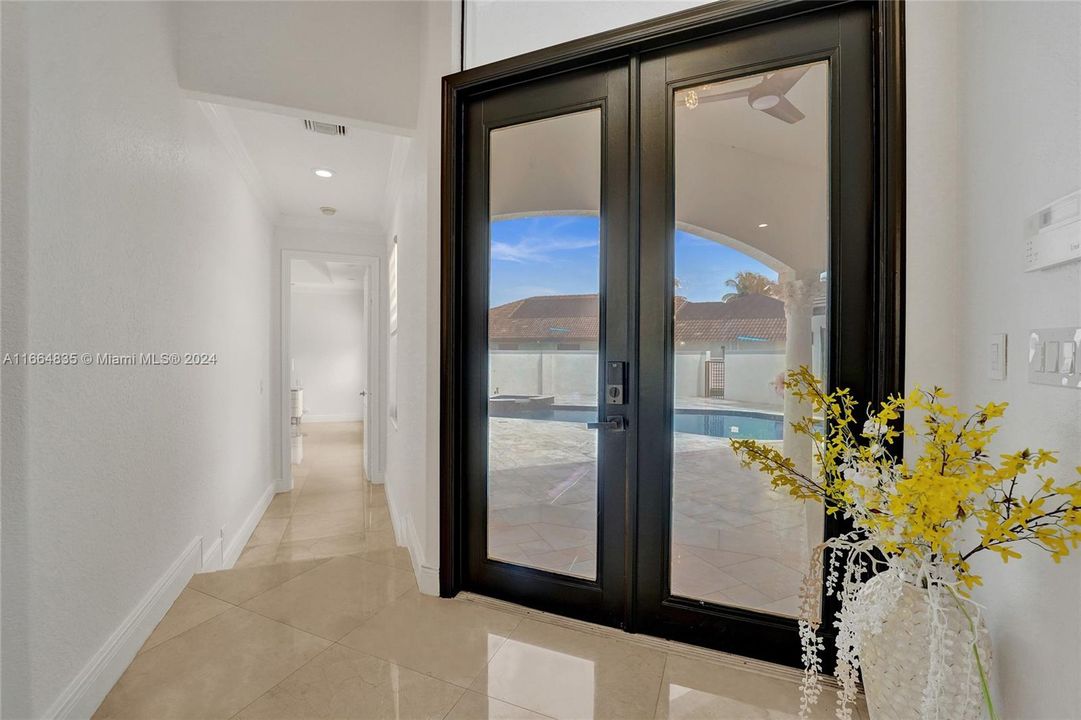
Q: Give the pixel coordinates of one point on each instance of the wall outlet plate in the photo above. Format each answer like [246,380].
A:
[1053,357]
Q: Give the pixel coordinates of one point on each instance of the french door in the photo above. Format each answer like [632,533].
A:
[639,245]
[546,496]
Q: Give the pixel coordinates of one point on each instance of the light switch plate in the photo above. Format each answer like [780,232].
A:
[997,367]
[1052,357]
[1068,363]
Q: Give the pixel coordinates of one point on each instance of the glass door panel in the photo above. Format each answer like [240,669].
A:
[751,183]
[756,257]
[544,323]
[544,293]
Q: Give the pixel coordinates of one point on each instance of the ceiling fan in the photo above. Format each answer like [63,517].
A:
[767,96]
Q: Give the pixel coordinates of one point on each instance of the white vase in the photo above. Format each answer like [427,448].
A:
[896,660]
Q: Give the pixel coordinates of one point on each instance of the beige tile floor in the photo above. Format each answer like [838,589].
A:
[339,630]
[346,637]
[332,510]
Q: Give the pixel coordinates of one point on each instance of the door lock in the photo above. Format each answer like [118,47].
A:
[613,423]
[615,377]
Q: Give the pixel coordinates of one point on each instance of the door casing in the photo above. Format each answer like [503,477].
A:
[375,349]
[629,44]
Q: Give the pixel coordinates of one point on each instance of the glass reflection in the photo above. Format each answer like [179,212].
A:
[752,199]
[543,332]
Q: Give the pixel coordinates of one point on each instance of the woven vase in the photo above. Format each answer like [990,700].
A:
[896,661]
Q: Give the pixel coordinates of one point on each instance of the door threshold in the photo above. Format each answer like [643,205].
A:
[692,652]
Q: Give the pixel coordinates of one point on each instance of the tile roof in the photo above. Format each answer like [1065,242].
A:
[576,318]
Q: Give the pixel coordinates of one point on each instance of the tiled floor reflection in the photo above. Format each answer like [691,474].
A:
[736,541]
[349,636]
[284,641]
[332,510]
[542,495]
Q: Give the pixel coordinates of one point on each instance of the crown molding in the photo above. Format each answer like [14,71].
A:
[227,134]
[358,123]
[329,224]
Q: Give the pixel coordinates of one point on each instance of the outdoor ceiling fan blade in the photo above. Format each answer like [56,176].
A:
[723,96]
[782,81]
[785,110]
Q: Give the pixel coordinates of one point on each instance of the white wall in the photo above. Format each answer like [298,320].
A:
[349,60]
[498,29]
[1019,90]
[125,230]
[557,372]
[329,347]
[750,377]
[412,474]
[933,273]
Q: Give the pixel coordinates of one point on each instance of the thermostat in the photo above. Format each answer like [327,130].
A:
[1053,234]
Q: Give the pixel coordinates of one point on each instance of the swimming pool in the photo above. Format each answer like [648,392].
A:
[712,423]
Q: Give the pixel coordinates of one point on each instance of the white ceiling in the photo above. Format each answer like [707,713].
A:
[355,60]
[742,177]
[323,275]
[283,155]
[736,124]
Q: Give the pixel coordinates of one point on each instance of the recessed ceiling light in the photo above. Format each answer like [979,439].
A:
[761,225]
[328,210]
[323,172]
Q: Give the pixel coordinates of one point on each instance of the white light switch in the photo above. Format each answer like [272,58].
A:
[1052,357]
[997,368]
[1069,357]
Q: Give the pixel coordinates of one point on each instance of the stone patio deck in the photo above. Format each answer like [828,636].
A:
[735,541]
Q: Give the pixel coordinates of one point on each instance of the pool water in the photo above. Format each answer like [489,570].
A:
[729,424]
[711,423]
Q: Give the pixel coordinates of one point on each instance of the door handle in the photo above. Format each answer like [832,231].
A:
[615,422]
[364,393]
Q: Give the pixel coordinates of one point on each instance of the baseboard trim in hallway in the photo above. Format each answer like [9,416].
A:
[405,534]
[427,577]
[243,533]
[83,695]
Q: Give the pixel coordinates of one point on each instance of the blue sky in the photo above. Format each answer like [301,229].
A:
[559,255]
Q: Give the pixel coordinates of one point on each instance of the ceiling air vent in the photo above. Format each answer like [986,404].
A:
[324,128]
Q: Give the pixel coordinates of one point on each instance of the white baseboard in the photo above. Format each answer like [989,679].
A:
[243,534]
[344,417]
[395,519]
[213,557]
[282,485]
[427,577]
[83,694]
[405,534]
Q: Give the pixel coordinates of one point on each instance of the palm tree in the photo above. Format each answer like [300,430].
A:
[750,283]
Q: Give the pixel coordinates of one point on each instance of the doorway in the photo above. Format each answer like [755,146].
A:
[641,239]
[332,356]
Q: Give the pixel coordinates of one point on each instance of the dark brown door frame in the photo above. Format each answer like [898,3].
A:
[710,20]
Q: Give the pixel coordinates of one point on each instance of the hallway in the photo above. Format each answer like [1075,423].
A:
[332,509]
[524,272]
